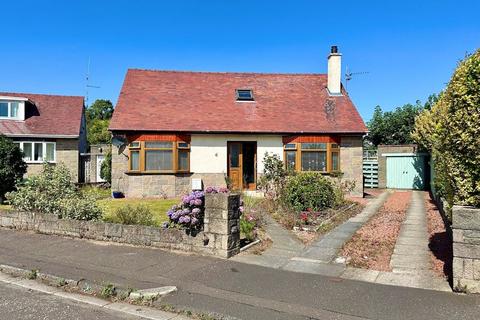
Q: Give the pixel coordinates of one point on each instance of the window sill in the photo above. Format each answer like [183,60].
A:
[156,172]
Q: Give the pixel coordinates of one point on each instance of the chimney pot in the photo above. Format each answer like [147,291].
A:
[334,49]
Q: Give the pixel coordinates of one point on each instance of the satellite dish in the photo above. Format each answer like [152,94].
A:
[119,141]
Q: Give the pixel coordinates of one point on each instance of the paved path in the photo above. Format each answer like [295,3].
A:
[239,290]
[285,245]
[287,253]
[410,261]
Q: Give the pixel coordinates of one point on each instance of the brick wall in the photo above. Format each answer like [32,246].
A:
[220,237]
[466,249]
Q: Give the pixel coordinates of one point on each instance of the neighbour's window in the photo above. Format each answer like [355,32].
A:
[38,152]
[159,156]
[312,156]
[9,109]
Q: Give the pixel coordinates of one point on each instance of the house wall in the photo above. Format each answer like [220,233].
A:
[208,161]
[382,160]
[351,162]
[67,152]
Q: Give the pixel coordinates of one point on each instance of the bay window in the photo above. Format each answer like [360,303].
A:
[312,156]
[159,156]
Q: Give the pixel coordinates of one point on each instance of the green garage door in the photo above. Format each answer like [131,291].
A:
[406,172]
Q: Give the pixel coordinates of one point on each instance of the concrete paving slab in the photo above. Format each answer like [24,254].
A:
[331,270]
[360,274]
[319,253]
[330,243]
[262,260]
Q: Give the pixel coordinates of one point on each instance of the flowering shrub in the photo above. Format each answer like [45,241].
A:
[189,213]
[217,190]
[53,192]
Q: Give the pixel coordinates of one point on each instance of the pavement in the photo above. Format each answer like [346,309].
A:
[239,290]
[17,302]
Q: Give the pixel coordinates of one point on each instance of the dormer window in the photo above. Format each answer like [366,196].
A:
[9,109]
[12,108]
[244,95]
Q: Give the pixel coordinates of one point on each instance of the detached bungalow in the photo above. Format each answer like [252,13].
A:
[172,127]
[48,128]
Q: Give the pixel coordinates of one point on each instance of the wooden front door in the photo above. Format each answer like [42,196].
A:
[235,160]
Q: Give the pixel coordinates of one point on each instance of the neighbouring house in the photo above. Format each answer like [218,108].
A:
[48,128]
[171,129]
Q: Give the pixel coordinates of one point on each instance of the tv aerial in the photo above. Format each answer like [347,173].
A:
[349,75]
[87,83]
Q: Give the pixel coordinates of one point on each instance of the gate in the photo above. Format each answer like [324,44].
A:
[370,169]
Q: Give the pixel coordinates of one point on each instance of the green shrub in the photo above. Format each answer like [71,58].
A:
[132,215]
[451,130]
[247,228]
[308,190]
[106,168]
[53,192]
[274,174]
[12,166]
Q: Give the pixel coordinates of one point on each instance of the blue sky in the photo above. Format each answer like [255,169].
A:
[409,48]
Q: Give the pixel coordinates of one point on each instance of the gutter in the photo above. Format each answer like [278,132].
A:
[59,136]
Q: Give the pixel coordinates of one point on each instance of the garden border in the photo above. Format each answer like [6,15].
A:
[220,236]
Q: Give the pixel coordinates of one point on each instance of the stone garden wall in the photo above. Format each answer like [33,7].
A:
[220,237]
[466,249]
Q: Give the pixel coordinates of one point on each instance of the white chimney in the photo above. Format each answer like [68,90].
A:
[334,71]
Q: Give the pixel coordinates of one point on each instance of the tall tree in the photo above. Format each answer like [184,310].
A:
[98,119]
[12,166]
[395,127]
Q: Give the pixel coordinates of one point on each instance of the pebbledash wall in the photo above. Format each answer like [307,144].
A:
[220,235]
[67,152]
[466,249]
[208,161]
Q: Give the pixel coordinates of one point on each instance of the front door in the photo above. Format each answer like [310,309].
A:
[235,161]
[242,169]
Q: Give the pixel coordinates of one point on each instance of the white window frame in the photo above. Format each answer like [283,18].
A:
[9,110]
[44,150]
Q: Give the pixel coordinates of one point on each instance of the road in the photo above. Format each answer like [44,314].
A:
[207,284]
[21,303]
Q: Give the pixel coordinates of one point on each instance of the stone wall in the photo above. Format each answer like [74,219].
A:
[220,237]
[351,161]
[382,160]
[67,152]
[466,249]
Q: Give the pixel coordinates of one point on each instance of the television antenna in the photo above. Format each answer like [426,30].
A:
[349,75]
[87,83]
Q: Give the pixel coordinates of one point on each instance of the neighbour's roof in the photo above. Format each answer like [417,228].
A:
[206,102]
[46,115]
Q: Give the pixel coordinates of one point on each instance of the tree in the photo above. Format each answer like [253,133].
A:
[98,119]
[395,127]
[12,166]
[98,131]
[101,109]
[106,168]
[451,131]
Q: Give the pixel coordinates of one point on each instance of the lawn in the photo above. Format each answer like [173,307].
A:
[159,207]
[5,207]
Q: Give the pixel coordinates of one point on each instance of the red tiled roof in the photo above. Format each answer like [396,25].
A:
[46,115]
[205,102]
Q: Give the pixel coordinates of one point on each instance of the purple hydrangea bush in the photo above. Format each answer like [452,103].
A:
[188,213]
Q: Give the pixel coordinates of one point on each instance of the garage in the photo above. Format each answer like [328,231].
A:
[406,171]
[402,167]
